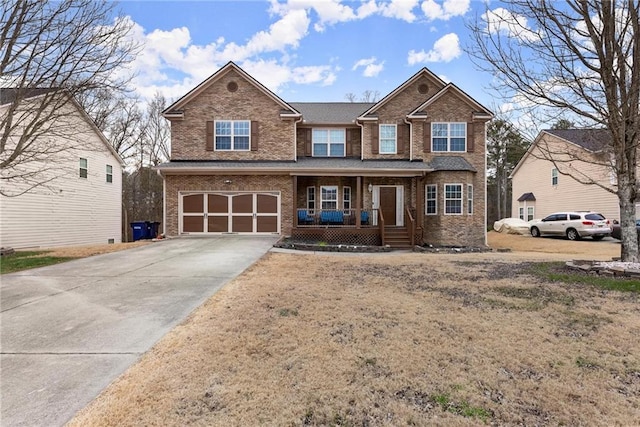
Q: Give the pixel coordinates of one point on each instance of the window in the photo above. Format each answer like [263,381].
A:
[387,139]
[329,197]
[233,135]
[432,199]
[521,213]
[109,173]
[469,199]
[529,213]
[453,199]
[328,142]
[311,199]
[346,199]
[84,168]
[448,137]
[554,176]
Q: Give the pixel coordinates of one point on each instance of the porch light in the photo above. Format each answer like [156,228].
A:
[370,188]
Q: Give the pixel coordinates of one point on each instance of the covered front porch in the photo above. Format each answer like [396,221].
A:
[358,210]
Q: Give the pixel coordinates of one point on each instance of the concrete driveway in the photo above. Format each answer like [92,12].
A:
[69,330]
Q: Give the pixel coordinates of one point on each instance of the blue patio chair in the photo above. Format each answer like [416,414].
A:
[304,217]
[364,218]
[331,217]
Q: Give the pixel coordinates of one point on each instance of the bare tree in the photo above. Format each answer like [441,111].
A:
[157,132]
[53,53]
[351,97]
[578,58]
[370,96]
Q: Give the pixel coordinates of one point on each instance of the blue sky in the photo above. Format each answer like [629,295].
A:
[305,50]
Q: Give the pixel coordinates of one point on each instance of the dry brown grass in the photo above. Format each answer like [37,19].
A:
[90,250]
[390,339]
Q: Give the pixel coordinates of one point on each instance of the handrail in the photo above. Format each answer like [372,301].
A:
[412,225]
[381,225]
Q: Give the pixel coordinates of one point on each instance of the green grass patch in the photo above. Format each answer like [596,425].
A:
[286,312]
[460,408]
[25,260]
[557,272]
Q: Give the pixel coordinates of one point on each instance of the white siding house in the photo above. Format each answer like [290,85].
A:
[81,205]
[540,188]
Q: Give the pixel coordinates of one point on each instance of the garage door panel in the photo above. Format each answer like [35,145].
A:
[218,224]
[193,203]
[218,203]
[242,203]
[242,224]
[267,224]
[267,203]
[193,224]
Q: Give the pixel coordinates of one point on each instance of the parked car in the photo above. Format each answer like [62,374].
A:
[616,232]
[574,225]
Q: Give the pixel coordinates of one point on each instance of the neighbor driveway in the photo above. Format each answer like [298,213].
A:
[69,330]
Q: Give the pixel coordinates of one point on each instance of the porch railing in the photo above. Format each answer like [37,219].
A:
[381,225]
[346,218]
[411,225]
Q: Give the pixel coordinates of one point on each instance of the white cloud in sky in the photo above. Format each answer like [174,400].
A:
[371,68]
[445,11]
[504,21]
[399,9]
[445,49]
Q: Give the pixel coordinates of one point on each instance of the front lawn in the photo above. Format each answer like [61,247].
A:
[24,260]
[411,339]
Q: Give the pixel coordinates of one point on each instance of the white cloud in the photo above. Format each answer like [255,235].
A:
[399,9]
[445,49]
[371,68]
[275,75]
[501,20]
[449,8]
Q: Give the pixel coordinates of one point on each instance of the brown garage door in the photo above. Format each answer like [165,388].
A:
[230,212]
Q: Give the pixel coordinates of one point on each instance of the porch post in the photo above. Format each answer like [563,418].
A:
[358,201]
[294,199]
[420,201]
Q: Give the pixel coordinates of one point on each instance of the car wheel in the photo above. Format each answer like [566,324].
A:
[597,237]
[535,232]
[572,234]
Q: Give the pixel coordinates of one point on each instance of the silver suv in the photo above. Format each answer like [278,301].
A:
[573,225]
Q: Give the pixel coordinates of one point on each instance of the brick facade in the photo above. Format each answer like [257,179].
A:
[231,95]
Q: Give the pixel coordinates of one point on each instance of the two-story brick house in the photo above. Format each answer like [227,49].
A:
[405,170]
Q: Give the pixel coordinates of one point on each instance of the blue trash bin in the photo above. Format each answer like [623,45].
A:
[139,230]
[152,229]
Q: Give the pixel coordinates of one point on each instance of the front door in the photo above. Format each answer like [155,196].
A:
[388,204]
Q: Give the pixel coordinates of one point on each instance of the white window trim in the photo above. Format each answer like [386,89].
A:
[233,141]
[395,142]
[109,174]
[426,198]
[328,143]
[469,199]
[521,213]
[448,150]
[85,169]
[346,190]
[322,200]
[554,175]
[461,199]
[311,210]
[533,212]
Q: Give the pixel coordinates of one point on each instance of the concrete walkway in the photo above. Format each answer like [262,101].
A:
[67,331]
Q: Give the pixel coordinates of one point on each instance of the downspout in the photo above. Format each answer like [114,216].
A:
[486,241]
[361,139]
[295,139]
[410,138]
[164,203]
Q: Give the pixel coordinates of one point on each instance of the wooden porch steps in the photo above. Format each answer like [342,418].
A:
[397,237]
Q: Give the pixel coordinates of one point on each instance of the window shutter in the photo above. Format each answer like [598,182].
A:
[374,138]
[403,137]
[209,145]
[470,140]
[426,134]
[350,136]
[254,136]
[307,142]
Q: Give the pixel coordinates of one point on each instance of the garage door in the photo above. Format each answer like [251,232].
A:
[230,212]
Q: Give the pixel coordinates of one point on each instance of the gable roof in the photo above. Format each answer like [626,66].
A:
[592,140]
[330,112]
[174,110]
[423,72]
[527,197]
[482,112]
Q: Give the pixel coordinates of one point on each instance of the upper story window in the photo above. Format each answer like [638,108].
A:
[554,176]
[449,137]
[84,168]
[328,142]
[109,173]
[232,135]
[388,140]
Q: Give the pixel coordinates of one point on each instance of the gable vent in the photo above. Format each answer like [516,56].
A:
[232,86]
